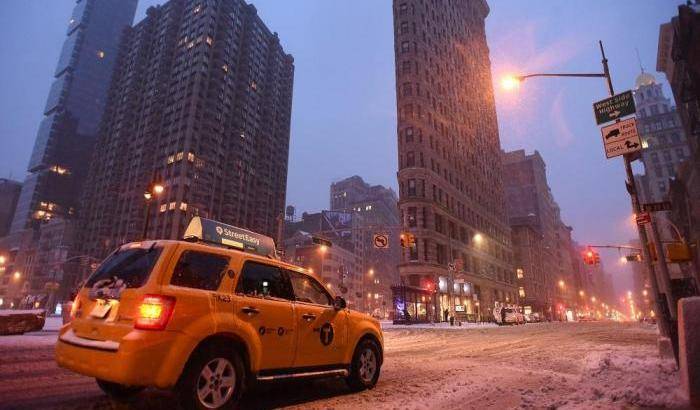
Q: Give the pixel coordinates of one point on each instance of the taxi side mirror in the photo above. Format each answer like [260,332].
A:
[339,303]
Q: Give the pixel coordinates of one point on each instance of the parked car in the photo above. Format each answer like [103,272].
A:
[512,316]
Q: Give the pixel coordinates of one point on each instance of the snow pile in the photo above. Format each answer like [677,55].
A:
[629,377]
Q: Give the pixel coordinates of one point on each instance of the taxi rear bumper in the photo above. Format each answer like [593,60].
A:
[141,358]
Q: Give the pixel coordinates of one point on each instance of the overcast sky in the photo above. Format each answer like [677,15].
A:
[344,114]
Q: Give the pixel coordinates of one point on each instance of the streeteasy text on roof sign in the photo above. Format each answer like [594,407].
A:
[211,231]
[615,107]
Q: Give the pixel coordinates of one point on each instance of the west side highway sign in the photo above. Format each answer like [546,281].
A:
[621,138]
[615,107]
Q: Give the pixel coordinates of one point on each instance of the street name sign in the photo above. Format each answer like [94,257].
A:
[656,206]
[615,107]
[621,138]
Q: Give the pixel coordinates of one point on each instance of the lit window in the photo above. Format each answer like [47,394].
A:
[179,156]
[164,207]
[519,272]
[197,9]
[254,85]
[101,54]
[171,159]
[521,292]
[190,156]
[210,40]
[171,206]
[190,44]
[225,68]
[183,206]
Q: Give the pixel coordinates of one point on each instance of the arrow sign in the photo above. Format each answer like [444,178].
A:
[617,106]
[621,138]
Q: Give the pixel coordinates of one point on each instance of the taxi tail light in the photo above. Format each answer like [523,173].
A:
[74,307]
[154,312]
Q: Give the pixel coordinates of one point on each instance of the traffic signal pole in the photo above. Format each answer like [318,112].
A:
[663,313]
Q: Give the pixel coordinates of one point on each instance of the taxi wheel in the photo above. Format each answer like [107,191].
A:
[213,379]
[364,369]
[119,392]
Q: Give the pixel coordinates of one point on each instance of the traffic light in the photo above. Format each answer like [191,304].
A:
[596,258]
[589,257]
[407,240]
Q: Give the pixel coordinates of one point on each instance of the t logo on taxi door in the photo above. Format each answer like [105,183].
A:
[326,334]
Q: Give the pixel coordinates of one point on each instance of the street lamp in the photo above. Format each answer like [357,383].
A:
[593,299]
[17,275]
[2,259]
[561,284]
[581,293]
[478,238]
[154,189]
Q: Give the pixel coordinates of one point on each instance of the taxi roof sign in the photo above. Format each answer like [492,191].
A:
[208,230]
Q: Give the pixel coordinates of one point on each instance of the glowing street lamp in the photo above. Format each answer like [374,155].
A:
[561,284]
[2,260]
[478,238]
[17,275]
[510,82]
[371,272]
[593,299]
[154,189]
[323,248]
[581,293]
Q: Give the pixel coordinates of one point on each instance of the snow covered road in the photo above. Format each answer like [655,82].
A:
[558,365]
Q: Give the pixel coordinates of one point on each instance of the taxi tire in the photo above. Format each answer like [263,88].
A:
[354,380]
[119,392]
[187,386]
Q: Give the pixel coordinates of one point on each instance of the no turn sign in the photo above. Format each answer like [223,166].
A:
[380,240]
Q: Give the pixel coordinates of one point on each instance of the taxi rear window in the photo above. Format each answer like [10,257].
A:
[131,266]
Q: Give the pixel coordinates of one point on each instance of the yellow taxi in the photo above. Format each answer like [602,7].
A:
[210,315]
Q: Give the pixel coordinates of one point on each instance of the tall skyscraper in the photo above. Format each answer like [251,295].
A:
[450,186]
[662,135]
[59,162]
[41,238]
[201,102]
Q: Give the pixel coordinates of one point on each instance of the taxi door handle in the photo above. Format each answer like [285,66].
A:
[308,317]
[250,310]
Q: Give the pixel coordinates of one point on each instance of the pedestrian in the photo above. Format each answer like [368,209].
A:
[503,315]
[446,314]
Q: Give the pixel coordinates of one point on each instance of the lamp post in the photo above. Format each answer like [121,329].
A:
[512,82]
[154,190]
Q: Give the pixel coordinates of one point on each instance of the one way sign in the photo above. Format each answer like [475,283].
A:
[621,138]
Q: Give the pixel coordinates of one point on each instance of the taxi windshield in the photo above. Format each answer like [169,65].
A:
[131,266]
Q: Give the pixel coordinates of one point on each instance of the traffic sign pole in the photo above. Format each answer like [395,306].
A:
[664,322]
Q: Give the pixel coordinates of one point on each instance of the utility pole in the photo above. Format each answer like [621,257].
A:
[666,327]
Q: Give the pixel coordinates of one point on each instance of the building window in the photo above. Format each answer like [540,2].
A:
[413,253]
[412,219]
[101,54]
[680,153]
[519,272]
[404,27]
[410,159]
[408,133]
[411,187]
[521,292]
[405,47]
[438,223]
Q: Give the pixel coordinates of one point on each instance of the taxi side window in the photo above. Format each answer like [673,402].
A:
[260,280]
[199,270]
[307,289]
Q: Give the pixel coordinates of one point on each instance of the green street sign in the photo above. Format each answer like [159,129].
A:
[617,106]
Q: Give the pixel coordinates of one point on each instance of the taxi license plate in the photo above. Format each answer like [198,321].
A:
[100,309]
